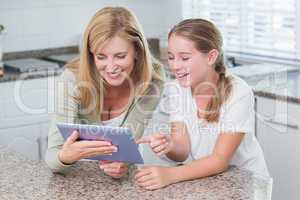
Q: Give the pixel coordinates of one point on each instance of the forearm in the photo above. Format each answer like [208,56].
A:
[179,152]
[180,142]
[204,167]
[53,161]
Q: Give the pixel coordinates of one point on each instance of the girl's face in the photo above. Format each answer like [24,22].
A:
[190,66]
[115,60]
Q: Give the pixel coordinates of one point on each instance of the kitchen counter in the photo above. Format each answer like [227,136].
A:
[11,75]
[25,179]
[272,81]
[268,80]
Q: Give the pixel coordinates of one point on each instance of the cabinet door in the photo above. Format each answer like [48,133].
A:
[26,102]
[279,135]
[23,140]
[25,107]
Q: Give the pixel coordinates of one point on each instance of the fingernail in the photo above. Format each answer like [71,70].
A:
[115,149]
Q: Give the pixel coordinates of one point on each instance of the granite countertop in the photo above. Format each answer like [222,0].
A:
[11,75]
[25,179]
[272,81]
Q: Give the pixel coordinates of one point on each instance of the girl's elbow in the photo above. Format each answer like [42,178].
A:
[222,164]
[179,158]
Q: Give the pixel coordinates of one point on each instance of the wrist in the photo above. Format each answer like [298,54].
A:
[62,160]
[174,174]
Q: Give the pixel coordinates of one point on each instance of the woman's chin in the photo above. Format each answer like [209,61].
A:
[115,82]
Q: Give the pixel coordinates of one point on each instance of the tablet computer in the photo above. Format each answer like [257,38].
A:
[128,151]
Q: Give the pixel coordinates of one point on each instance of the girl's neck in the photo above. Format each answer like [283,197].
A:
[206,87]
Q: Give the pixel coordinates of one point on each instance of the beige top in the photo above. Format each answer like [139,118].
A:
[68,111]
[116,121]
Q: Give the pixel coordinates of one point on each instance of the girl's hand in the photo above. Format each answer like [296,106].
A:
[114,169]
[160,143]
[154,177]
[73,150]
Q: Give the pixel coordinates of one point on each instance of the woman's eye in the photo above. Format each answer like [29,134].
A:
[170,58]
[100,57]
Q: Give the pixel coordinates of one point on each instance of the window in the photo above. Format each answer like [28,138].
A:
[266,30]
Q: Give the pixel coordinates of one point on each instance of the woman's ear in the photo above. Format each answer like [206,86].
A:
[212,56]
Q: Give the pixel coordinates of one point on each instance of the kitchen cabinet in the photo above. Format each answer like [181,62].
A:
[278,132]
[25,106]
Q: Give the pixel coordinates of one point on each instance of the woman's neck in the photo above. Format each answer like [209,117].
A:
[114,92]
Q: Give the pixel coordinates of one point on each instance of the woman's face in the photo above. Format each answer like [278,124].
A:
[190,66]
[115,60]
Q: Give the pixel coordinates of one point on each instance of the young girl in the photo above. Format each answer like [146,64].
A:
[109,84]
[212,112]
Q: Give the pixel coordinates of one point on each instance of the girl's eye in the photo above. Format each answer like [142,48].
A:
[185,59]
[121,56]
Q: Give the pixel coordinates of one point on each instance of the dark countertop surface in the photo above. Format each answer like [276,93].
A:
[25,179]
[11,75]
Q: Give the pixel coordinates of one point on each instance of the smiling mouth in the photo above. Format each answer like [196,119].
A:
[114,74]
[182,75]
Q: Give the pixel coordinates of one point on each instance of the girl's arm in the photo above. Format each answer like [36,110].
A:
[176,146]
[155,177]
[213,164]
[180,142]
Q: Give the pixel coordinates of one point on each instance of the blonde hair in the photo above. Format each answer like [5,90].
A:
[206,37]
[105,24]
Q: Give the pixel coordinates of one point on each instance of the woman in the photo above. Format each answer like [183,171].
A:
[115,82]
[212,112]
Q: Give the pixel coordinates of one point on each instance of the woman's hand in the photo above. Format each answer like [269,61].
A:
[154,177]
[73,150]
[114,169]
[160,143]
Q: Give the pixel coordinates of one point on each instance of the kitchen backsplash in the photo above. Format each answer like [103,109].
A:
[40,24]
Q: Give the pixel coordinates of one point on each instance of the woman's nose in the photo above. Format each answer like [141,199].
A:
[110,66]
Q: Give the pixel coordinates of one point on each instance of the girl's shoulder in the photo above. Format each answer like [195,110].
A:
[240,89]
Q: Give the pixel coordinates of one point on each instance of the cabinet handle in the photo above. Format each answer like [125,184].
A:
[39,147]
[292,126]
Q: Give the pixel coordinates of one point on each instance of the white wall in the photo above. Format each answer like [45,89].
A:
[38,24]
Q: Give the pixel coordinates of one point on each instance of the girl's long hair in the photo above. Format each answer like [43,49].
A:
[207,37]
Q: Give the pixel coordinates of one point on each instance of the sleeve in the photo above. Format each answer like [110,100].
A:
[238,114]
[66,109]
[175,105]
[141,112]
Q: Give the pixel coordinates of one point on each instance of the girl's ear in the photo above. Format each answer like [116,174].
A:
[212,56]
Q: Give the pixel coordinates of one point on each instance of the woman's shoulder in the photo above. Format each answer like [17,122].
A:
[70,72]
[68,75]
[158,73]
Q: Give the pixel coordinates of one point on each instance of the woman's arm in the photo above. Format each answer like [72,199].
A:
[65,111]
